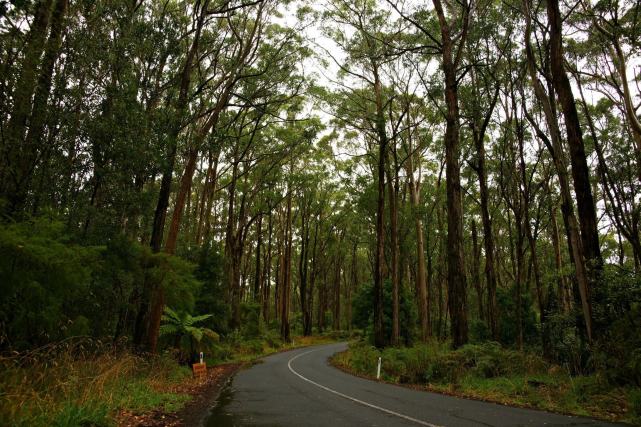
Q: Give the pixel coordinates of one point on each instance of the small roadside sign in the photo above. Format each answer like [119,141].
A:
[200,369]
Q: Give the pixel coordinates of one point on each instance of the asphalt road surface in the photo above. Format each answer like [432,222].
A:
[299,388]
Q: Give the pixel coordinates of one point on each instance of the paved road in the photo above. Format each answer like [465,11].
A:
[299,388]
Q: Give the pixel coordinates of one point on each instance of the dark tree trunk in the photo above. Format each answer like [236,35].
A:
[456,282]
[554,145]
[476,278]
[580,172]
[257,270]
[17,158]
[379,331]
[392,186]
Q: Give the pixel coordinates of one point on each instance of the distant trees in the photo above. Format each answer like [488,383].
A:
[462,172]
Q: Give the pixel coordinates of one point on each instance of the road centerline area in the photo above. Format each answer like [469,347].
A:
[271,394]
[353,399]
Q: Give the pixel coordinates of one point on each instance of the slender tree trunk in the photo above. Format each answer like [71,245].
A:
[563,288]
[160,215]
[336,317]
[287,282]
[476,278]
[379,332]
[268,267]
[33,143]
[17,158]
[181,198]
[257,269]
[580,171]
[488,237]
[393,212]
[456,282]
[575,244]
[421,277]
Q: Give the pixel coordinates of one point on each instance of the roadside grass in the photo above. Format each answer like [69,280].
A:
[82,382]
[489,372]
[235,348]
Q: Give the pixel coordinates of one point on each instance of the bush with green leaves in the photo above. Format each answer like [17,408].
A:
[187,335]
[436,362]
[252,324]
[508,321]
[54,288]
[45,283]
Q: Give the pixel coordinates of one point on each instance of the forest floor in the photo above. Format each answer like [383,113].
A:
[483,372]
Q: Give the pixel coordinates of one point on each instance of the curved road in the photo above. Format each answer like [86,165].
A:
[299,388]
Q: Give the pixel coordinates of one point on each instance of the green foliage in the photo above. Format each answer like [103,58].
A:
[508,322]
[634,397]
[435,362]
[54,288]
[479,331]
[617,312]
[183,326]
[45,280]
[251,321]
[363,310]
[211,297]
[490,372]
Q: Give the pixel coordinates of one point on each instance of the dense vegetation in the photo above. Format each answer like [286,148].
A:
[193,174]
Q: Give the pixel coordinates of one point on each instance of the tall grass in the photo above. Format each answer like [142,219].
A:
[81,381]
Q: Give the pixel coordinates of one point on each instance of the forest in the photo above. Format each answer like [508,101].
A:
[201,175]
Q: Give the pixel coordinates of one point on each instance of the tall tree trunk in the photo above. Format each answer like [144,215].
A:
[476,279]
[257,270]
[336,315]
[287,281]
[488,237]
[392,187]
[268,268]
[379,331]
[563,288]
[580,171]
[421,276]
[181,199]
[160,214]
[303,264]
[33,143]
[17,158]
[456,282]
[554,145]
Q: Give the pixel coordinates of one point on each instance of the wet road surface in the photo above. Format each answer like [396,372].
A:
[299,388]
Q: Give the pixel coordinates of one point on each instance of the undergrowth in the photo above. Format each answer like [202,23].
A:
[489,372]
[83,382]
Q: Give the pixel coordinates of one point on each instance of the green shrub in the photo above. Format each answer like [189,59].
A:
[251,320]
[436,363]
[634,400]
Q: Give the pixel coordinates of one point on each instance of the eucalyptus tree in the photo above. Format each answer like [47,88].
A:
[586,209]
[449,40]
[613,37]
[554,144]
[367,51]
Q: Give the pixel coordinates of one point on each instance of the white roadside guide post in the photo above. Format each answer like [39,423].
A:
[378,369]
[201,357]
